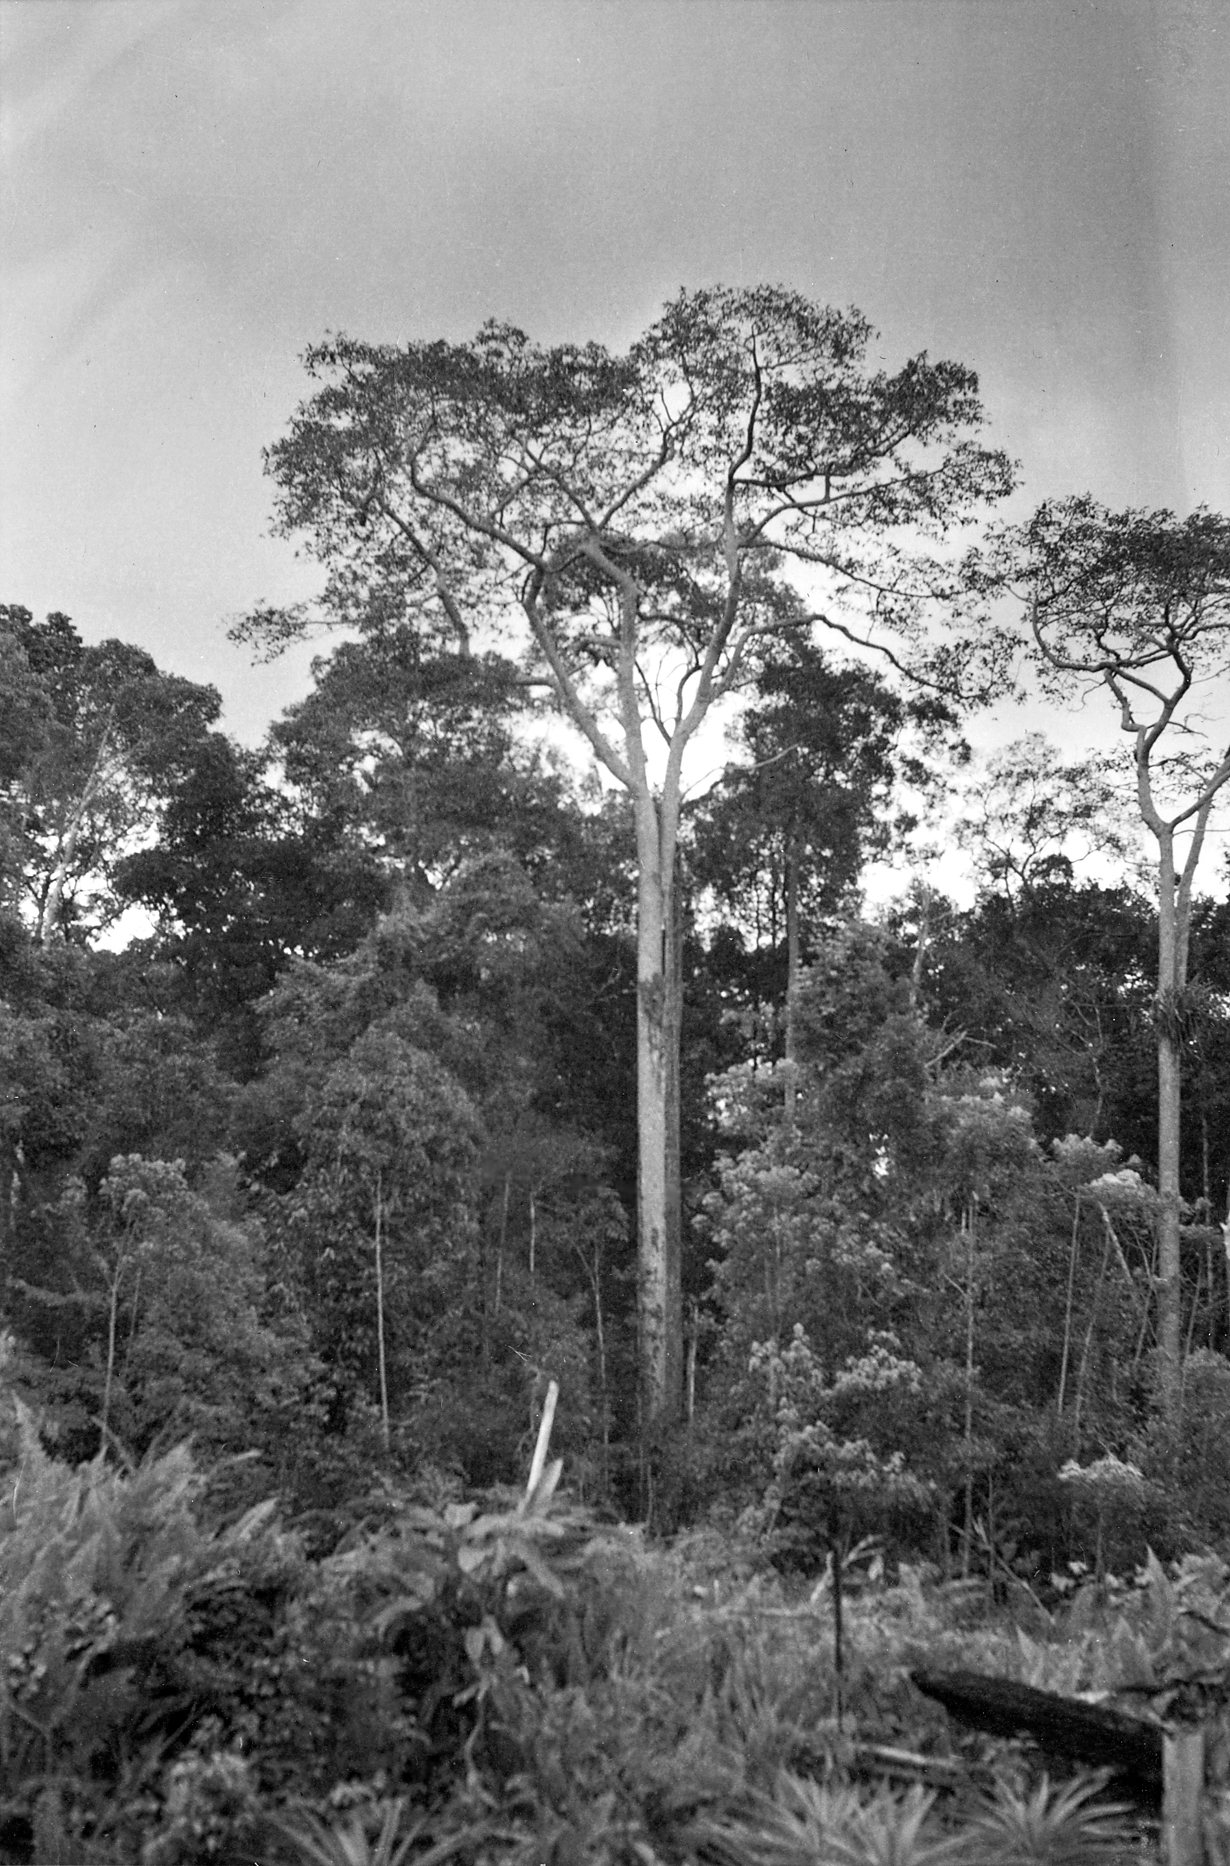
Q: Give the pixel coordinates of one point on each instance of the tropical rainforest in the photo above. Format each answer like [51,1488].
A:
[456,1069]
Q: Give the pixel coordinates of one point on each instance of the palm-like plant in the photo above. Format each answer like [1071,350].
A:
[808,1823]
[1049,1826]
[319,1844]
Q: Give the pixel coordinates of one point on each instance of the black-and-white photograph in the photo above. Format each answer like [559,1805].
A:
[615,933]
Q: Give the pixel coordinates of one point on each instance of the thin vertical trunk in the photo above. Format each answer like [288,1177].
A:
[111,1321]
[134,1318]
[1191,1324]
[1067,1312]
[533,1232]
[657,1060]
[594,1272]
[503,1240]
[1088,1343]
[484,1296]
[837,1549]
[920,950]
[1214,1295]
[674,1113]
[1169,987]
[969,1222]
[792,969]
[690,1378]
[1173,939]
[384,1378]
[10,1185]
[1142,1337]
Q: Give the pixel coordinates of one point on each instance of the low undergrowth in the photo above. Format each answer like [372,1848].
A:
[504,1679]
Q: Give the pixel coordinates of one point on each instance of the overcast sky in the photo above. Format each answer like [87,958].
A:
[195,190]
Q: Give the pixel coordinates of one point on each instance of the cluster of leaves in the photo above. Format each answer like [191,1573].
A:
[502,1679]
[455,1084]
[882,1188]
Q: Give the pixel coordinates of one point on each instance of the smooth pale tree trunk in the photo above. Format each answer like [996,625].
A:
[1173,941]
[657,1094]
[1174,920]
[969,1220]
[659,988]
[1171,980]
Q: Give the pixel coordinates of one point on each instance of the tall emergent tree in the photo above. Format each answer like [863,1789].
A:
[1139,603]
[743,471]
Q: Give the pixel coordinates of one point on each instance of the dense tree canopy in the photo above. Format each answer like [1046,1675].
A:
[456,1095]
[354,1133]
[99,736]
[647,522]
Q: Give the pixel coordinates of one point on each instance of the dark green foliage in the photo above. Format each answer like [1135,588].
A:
[905,1207]
[819,743]
[107,1579]
[239,883]
[500,1671]
[99,734]
[410,750]
[1055,986]
[919,1293]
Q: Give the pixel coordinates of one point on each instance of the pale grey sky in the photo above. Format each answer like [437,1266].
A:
[197,189]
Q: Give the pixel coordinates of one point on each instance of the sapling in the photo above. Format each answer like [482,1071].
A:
[822,1429]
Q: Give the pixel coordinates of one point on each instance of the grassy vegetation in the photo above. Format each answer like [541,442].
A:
[506,1679]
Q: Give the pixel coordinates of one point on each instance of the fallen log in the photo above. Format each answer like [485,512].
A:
[1092,1734]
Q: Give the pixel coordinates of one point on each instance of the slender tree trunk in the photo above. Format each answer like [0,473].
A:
[1170,984]
[384,1378]
[792,969]
[1191,1320]
[503,1240]
[1083,1369]
[1142,1337]
[111,1321]
[837,1554]
[1067,1312]
[134,1318]
[657,1094]
[693,1339]
[1210,1255]
[594,1272]
[674,1116]
[970,1254]
[1173,938]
